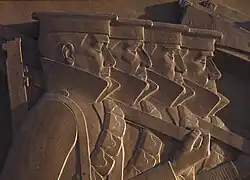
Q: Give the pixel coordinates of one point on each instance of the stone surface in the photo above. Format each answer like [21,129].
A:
[111,125]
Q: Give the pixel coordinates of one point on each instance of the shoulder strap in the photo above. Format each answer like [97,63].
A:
[84,171]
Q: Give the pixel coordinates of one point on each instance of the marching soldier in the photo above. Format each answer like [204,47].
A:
[201,75]
[77,130]
[127,47]
[163,42]
[142,148]
[57,138]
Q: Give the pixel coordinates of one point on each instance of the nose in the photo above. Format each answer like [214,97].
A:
[145,59]
[109,60]
[212,70]
[98,46]
[180,67]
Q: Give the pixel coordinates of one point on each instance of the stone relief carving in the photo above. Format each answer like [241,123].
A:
[202,71]
[126,46]
[101,72]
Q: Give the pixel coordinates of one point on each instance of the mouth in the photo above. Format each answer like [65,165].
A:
[213,77]
[178,78]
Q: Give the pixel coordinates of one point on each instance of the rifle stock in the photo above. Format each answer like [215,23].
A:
[16,82]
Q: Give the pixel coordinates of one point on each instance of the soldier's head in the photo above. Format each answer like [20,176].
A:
[163,42]
[200,45]
[76,39]
[127,46]
[202,72]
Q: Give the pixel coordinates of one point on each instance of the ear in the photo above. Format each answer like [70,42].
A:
[68,53]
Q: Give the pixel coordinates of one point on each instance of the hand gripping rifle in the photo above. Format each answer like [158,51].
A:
[167,128]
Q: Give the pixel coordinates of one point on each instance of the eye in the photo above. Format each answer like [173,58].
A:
[133,46]
[132,49]
[202,60]
[170,54]
[98,46]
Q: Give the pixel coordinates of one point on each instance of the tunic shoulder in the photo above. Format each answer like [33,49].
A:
[43,143]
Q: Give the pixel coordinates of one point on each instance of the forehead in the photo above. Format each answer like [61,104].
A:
[196,52]
[207,53]
[75,38]
[101,38]
[171,47]
[132,42]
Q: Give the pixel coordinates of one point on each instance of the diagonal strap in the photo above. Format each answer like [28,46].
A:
[82,145]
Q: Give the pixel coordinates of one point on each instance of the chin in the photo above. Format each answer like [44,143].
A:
[211,85]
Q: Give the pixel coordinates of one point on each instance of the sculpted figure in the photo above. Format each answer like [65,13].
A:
[201,75]
[163,42]
[77,130]
[70,131]
[142,147]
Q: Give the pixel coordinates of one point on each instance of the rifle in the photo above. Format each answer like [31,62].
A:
[165,127]
[24,84]
[17,82]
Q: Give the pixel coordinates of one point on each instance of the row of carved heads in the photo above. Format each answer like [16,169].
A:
[105,44]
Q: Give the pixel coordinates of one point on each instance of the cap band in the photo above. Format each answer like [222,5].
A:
[206,44]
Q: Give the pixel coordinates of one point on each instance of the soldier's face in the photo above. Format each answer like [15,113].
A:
[131,58]
[198,69]
[93,55]
[165,61]
[201,69]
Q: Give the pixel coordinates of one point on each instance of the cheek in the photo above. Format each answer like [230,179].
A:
[129,62]
[166,67]
[195,67]
[169,62]
[91,62]
[159,59]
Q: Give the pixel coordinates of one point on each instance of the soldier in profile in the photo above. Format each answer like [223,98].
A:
[131,56]
[76,130]
[163,42]
[141,147]
[62,130]
[201,75]
[206,101]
